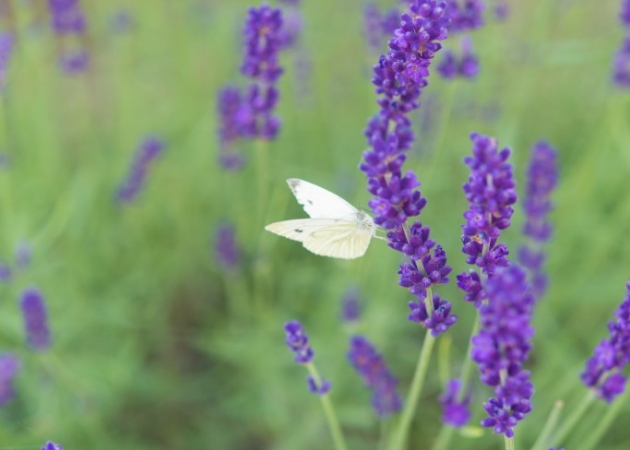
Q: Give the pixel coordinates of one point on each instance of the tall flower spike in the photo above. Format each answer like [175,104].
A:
[9,366]
[502,346]
[621,65]
[226,248]
[376,375]
[466,16]
[297,341]
[350,305]
[67,19]
[6,48]
[542,177]
[35,319]
[149,149]
[467,66]
[399,78]
[5,272]
[603,369]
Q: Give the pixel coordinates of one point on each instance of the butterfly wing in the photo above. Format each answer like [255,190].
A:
[325,237]
[318,202]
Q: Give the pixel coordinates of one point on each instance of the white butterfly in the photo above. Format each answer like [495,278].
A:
[336,228]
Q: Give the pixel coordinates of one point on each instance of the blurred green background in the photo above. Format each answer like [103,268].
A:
[157,347]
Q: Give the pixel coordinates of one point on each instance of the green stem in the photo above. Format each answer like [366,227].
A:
[509,443]
[402,431]
[468,362]
[329,411]
[578,412]
[444,437]
[543,439]
[262,163]
[605,423]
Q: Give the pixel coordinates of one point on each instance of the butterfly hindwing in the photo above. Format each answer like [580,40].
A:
[299,229]
[342,240]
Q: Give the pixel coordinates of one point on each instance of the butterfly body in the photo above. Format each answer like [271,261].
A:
[335,228]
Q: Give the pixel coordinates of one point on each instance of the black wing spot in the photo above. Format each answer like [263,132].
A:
[298,230]
[310,202]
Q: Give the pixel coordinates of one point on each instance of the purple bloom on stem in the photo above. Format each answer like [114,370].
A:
[52,446]
[454,412]
[9,366]
[73,63]
[390,21]
[603,369]
[621,65]
[66,17]
[376,375]
[372,18]
[502,346]
[542,177]
[448,67]
[149,149]
[226,248]
[6,48]
[624,15]
[319,390]
[438,321]
[501,11]
[5,272]
[297,341]
[35,319]
[23,253]
[291,30]
[465,17]
[467,66]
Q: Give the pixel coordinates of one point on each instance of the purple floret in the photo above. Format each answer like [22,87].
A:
[226,248]
[35,319]
[455,412]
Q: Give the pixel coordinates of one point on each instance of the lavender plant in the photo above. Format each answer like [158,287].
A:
[6,48]
[35,319]
[9,367]
[149,149]
[68,23]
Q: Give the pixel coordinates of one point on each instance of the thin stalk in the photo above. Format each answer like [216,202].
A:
[543,439]
[262,166]
[578,412]
[605,423]
[509,443]
[329,411]
[444,437]
[402,431]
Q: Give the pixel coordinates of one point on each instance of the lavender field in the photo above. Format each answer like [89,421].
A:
[483,304]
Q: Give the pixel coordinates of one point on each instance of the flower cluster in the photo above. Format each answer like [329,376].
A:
[399,78]
[149,149]
[226,249]
[377,25]
[9,366]
[603,369]
[249,114]
[542,177]
[466,66]
[350,305]
[52,446]
[455,412]
[66,19]
[490,193]
[297,341]
[6,48]
[621,61]
[502,346]
[374,371]
[465,17]
[35,319]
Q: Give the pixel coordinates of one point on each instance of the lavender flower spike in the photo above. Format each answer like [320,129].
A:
[603,369]
[9,366]
[374,371]
[35,319]
[52,446]
[149,149]
[502,346]
[297,341]
[66,17]
[5,272]
[542,177]
[227,252]
[6,48]
[350,305]
[454,412]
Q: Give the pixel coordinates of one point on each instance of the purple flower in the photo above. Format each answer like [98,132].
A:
[377,26]
[350,305]
[297,340]
[467,66]
[319,389]
[6,48]
[454,412]
[438,320]
[624,14]
[5,272]
[149,149]
[501,11]
[231,116]
[542,177]
[621,65]
[52,446]
[399,78]
[465,17]
[9,366]
[376,375]
[226,248]
[502,346]
[291,30]
[74,63]
[603,369]
[35,319]
[262,42]
[66,17]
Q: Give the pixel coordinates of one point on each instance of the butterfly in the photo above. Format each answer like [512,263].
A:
[336,228]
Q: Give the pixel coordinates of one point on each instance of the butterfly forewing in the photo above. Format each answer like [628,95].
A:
[318,202]
[299,229]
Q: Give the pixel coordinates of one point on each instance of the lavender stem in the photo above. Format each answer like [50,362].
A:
[605,423]
[509,443]
[544,439]
[578,412]
[329,410]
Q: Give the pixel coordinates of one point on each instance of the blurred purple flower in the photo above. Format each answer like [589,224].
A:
[149,149]
[5,272]
[52,446]
[23,253]
[291,30]
[621,65]
[371,25]
[454,412]
[502,346]
[603,369]
[376,375]
[350,305]
[35,319]
[466,16]
[467,66]
[399,78]
[262,43]
[6,48]
[74,63]
[121,21]
[542,177]
[9,366]
[624,14]
[297,341]
[501,11]
[66,17]
[227,252]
